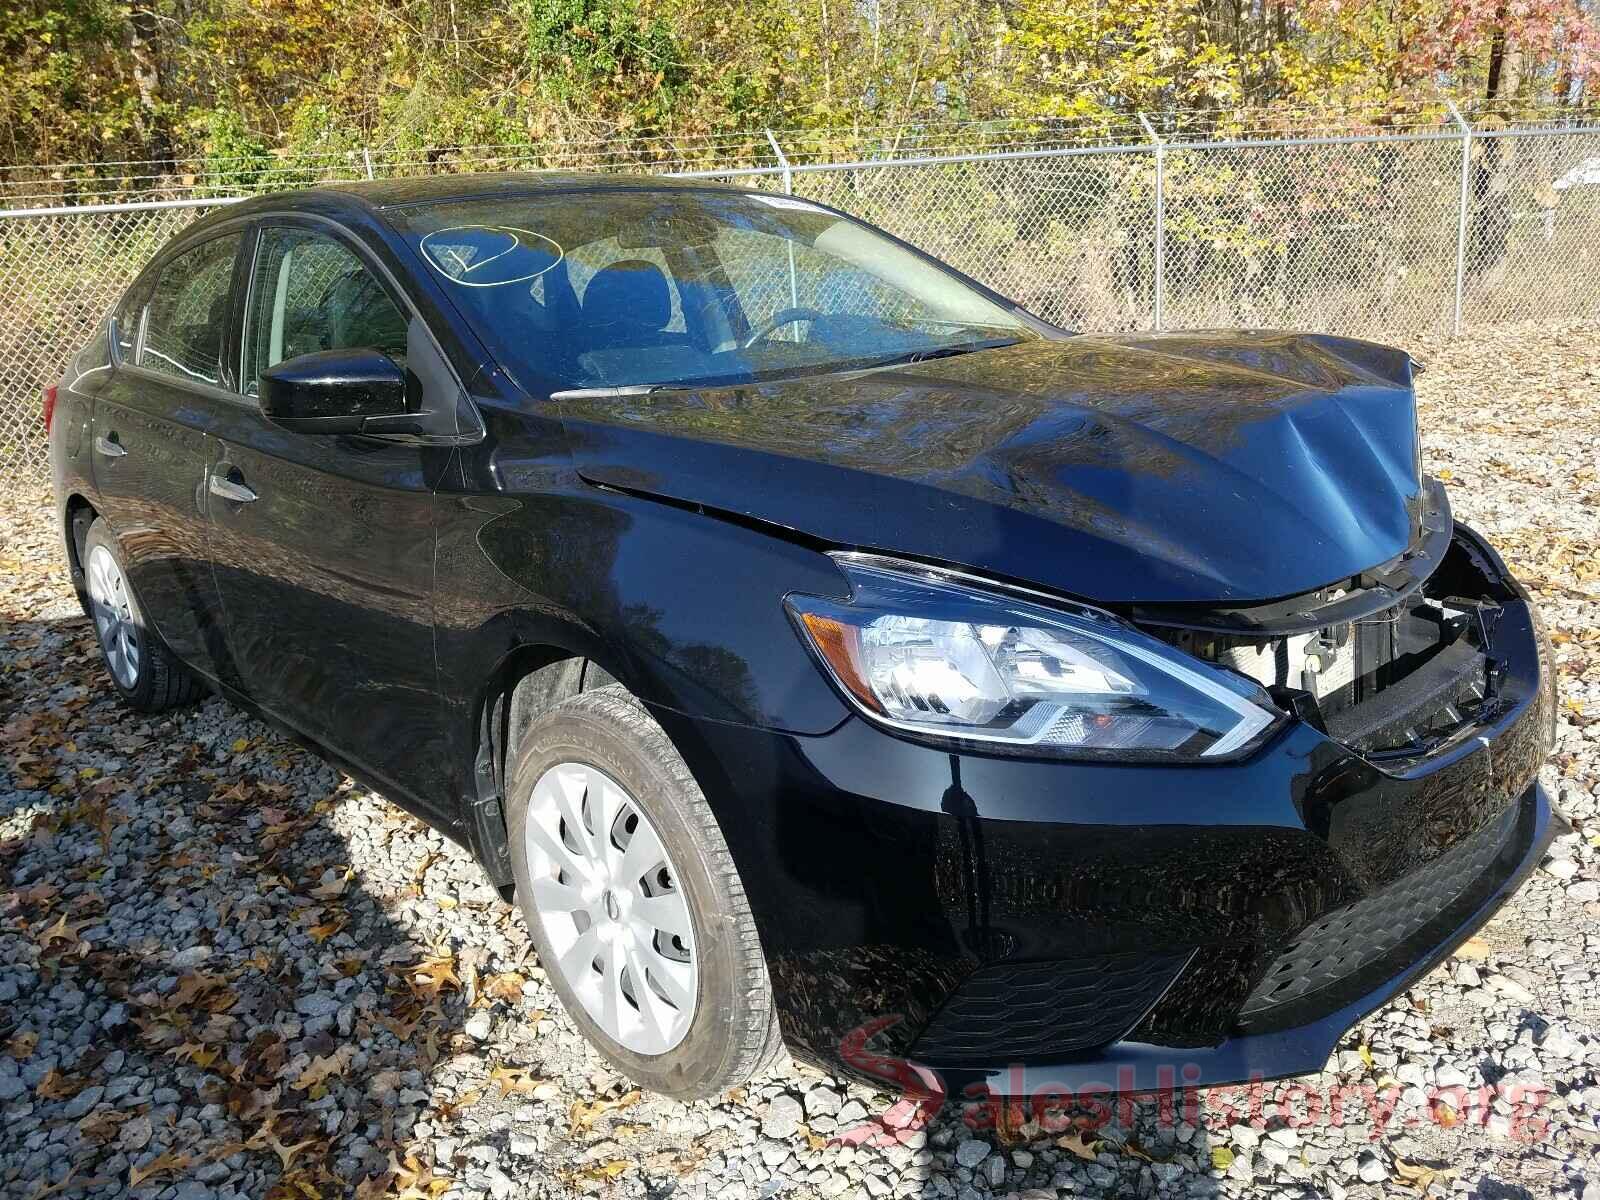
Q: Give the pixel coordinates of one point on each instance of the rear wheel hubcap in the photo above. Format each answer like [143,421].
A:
[609,898]
[112,608]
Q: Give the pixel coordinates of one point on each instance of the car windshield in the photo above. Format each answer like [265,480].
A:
[633,287]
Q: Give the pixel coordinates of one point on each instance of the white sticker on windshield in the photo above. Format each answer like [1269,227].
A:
[788,202]
[489,255]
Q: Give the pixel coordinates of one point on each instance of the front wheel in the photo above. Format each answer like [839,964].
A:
[633,901]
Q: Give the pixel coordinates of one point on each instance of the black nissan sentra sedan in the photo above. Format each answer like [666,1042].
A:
[824,650]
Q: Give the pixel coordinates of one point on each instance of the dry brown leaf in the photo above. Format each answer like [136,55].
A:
[514,1081]
[432,975]
[334,888]
[321,933]
[161,1163]
[608,1170]
[506,986]
[21,1045]
[200,1056]
[1079,1143]
[61,931]
[265,1137]
[584,1114]
[101,1126]
[319,1070]
[56,1086]
[1415,1175]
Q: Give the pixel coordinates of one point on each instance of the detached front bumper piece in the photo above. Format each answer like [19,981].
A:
[1032,925]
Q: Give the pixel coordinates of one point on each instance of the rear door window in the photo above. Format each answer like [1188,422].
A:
[313,293]
[186,324]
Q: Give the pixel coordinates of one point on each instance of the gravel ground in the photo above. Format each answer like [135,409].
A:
[225,970]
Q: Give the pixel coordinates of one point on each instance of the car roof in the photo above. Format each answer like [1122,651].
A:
[394,193]
[370,196]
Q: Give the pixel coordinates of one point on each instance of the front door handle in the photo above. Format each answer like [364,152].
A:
[105,446]
[221,485]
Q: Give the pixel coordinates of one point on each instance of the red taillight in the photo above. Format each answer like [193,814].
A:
[49,407]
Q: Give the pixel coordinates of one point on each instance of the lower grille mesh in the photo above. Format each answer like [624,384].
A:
[1019,1011]
[1340,945]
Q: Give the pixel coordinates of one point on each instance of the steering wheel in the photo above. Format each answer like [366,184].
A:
[784,316]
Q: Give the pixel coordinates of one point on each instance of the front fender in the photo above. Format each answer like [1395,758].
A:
[685,609]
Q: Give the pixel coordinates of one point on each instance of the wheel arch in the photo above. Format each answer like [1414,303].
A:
[528,681]
[77,514]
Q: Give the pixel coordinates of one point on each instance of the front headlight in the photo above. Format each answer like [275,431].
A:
[930,653]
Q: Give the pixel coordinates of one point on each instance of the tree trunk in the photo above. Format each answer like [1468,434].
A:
[1497,53]
[142,33]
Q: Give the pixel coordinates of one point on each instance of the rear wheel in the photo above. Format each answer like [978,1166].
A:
[145,673]
[633,901]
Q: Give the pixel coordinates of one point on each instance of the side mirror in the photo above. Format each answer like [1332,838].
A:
[337,391]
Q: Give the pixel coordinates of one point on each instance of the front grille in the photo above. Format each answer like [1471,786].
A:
[1336,950]
[1399,680]
[1014,1012]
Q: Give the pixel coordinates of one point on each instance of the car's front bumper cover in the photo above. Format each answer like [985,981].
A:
[1033,925]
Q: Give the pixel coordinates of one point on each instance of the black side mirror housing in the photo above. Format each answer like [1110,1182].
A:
[338,391]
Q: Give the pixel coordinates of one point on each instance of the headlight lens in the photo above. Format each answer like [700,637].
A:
[930,653]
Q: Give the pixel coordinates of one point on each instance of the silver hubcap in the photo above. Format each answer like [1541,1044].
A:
[613,913]
[113,616]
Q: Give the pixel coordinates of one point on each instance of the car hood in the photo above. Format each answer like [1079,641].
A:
[1152,468]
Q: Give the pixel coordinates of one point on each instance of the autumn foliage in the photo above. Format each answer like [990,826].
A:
[238,80]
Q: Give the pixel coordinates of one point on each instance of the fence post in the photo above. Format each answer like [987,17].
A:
[1461,216]
[783,161]
[366,157]
[1161,214]
[788,188]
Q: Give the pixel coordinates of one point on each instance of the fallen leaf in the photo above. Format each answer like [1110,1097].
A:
[101,1126]
[56,1086]
[507,987]
[584,1113]
[608,1170]
[1415,1175]
[21,1045]
[331,890]
[1221,1157]
[266,1137]
[167,1161]
[514,1081]
[61,931]
[432,975]
[326,1067]
[1079,1143]
[321,933]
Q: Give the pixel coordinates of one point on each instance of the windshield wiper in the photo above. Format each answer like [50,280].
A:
[606,393]
[916,356]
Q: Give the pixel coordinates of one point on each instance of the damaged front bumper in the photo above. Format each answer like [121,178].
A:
[1032,925]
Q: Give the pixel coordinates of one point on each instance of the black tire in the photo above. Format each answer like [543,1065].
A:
[733,1033]
[160,681]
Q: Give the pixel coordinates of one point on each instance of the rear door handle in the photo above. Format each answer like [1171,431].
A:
[104,445]
[221,485]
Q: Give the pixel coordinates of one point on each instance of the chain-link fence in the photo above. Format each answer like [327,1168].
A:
[1430,229]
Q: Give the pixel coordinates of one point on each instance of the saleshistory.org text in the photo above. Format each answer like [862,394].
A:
[1512,1108]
